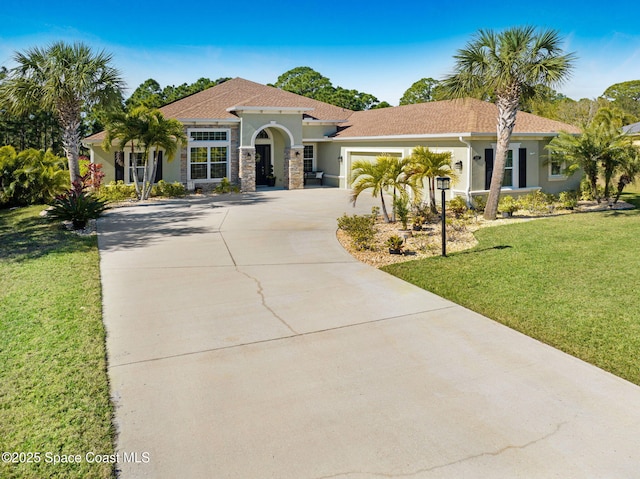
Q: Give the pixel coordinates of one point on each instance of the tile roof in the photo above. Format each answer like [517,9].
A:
[442,117]
[434,118]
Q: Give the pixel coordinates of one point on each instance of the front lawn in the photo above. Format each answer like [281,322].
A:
[570,281]
[54,393]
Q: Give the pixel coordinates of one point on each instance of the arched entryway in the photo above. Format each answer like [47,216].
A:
[265,173]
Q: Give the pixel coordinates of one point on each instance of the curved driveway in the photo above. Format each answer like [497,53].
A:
[245,343]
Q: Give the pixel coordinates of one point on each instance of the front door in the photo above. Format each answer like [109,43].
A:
[263,163]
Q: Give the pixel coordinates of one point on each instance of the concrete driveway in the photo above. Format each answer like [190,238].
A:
[243,342]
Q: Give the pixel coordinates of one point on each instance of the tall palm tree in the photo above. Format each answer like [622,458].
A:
[507,66]
[67,80]
[427,164]
[145,129]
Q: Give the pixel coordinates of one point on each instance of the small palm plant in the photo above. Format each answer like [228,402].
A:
[77,205]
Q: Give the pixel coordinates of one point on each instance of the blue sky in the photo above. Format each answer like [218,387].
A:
[378,48]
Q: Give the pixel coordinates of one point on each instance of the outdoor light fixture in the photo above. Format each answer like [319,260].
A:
[458,165]
[340,158]
[297,153]
[477,157]
[443,183]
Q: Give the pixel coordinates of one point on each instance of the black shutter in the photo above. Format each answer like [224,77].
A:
[118,160]
[488,167]
[158,168]
[522,167]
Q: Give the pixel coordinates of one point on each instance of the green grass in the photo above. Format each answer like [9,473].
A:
[571,281]
[54,393]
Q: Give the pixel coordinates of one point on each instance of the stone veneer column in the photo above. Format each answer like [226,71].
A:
[247,169]
[293,168]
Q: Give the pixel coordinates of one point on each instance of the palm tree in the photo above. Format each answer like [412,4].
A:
[385,173]
[601,146]
[429,164]
[162,133]
[507,66]
[128,128]
[67,80]
[147,129]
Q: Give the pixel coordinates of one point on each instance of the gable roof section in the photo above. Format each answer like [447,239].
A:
[220,102]
[448,117]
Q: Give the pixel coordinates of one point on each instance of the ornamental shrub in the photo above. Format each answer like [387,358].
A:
[361,229]
[458,206]
[117,191]
[171,190]
[77,205]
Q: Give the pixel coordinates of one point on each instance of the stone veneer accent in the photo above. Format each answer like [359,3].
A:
[294,168]
[247,169]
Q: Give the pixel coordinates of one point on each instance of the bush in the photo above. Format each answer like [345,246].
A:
[394,242]
[536,202]
[402,210]
[77,207]
[225,186]
[114,192]
[171,190]
[458,206]
[586,193]
[479,203]
[31,176]
[360,229]
[568,200]
[508,204]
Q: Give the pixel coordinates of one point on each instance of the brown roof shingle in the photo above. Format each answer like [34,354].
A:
[434,118]
[442,117]
[214,102]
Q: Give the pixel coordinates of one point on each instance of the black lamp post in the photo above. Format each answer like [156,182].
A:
[443,183]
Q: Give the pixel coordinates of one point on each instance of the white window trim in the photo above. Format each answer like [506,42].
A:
[561,176]
[314,159]
[191,143]
[515,169]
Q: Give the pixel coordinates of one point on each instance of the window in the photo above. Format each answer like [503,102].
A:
[508,170]
[208,135]
[309,157]
[208,154]
[556,169]
[138,169]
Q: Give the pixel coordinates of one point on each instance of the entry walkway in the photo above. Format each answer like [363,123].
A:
[244,343]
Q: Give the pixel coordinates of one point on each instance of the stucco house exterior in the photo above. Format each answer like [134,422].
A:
[241,129]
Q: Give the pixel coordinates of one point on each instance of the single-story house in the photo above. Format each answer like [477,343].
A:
[245,131]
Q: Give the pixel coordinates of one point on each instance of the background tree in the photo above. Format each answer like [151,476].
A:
[152,95]
[66,80]
[427,164]
[421,91]
[626,97]
[307,82]
[507,65]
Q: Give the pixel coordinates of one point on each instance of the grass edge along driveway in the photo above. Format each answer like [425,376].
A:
[54,391]
[572,282]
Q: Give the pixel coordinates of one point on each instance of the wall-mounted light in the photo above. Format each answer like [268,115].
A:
[297,153]
[477,157]
[340,158]
[458,165]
